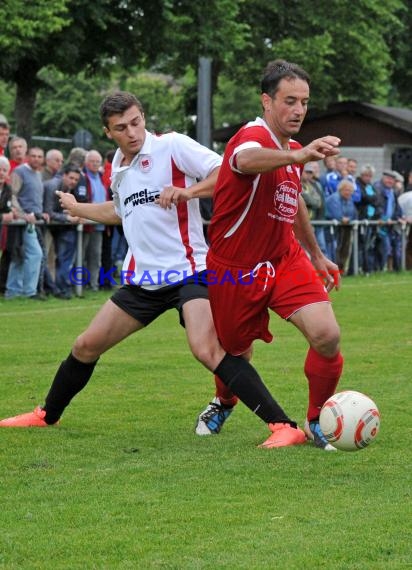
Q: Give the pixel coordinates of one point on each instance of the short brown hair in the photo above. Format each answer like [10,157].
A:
[280,69]
[117,103]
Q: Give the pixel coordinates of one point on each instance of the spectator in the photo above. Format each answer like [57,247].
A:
[352,167]
[114,245]
[312,193]
[329,162]
[93,234]
[107,168]
[333,178]
[77,156]
[109,231]
[340,207]
[405,202]
[389,213]
[408,187]
[27,198]
[366,210]
[399,183]
[17,151]
[4,135]
[53,165]
[6,215]
[65,234]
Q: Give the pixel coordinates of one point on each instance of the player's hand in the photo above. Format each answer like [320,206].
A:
[67,202]
[328,272]
[171,196]
[319,149]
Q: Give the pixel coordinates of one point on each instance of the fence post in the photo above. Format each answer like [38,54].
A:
[403,245]
[79,260]
[355,247]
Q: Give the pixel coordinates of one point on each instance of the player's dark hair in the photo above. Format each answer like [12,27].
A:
[117,103]
[280,69]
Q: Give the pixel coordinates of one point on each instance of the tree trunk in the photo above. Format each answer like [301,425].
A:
[27,86]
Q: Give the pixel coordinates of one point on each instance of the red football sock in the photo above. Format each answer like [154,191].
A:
[323,376]
[225,394]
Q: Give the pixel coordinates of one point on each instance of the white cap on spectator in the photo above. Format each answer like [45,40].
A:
[398,176]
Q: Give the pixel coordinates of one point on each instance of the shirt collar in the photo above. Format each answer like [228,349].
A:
[118,157]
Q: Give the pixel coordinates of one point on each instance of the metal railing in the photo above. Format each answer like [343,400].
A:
[357,224]
[355,227]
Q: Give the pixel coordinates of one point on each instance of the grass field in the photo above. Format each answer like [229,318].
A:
[124,483]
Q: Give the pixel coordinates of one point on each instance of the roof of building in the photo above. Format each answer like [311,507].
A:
[397,117]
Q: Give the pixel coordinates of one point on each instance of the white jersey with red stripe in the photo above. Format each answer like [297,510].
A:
[165,246]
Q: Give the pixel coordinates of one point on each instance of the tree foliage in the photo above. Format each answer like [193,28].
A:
[73,35]
[352,50]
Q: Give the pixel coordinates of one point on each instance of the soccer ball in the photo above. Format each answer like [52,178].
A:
[349,420]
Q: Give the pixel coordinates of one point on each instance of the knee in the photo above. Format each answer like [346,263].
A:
[84,349]
[210,355]
[326,341]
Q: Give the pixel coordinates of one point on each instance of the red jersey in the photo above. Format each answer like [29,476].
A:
[253,214]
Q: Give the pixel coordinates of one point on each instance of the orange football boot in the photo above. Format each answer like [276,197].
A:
[283,435]
[31,419]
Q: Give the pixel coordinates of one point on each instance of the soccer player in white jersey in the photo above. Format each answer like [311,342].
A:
[156,183]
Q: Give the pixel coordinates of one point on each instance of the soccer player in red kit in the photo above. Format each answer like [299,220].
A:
[259,226]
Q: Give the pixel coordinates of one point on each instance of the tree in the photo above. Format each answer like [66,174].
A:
[72,35]
[196,29]
[347,47]
[66,104]
[352,50]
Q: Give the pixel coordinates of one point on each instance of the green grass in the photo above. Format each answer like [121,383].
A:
[123,482]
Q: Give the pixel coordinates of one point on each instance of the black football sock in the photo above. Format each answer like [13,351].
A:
[245,382]
[71,377]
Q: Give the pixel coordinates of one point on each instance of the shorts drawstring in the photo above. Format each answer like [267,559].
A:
[270,272]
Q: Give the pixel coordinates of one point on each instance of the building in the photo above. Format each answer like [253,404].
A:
[381,136]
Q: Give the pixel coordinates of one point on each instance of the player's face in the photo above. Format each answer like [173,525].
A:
[285,112]
[127,131]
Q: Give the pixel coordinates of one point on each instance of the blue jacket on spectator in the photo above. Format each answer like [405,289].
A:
[337,208]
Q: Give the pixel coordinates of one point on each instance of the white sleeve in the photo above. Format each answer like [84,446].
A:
[243,146]
[192,158]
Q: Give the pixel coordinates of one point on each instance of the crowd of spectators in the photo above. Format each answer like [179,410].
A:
[36,259]
[380,205]
[38,251]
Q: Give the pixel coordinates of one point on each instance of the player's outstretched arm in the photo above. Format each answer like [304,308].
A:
[103,213]
[258,159]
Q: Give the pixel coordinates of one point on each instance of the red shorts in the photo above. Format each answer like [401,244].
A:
[240,302]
